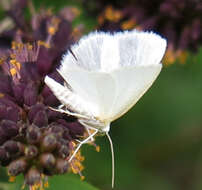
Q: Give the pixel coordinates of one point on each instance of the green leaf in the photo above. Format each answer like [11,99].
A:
[69,181]
[60,182]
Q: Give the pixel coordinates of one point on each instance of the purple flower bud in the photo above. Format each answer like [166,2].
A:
[3,136]
[33,134]
[5,86]
[45,60]
[41,119]
[53,115]
[10,128]
[183,44]
[66,135]
[17,166]
[34,110]
[3,155]
[57,129]
[49,98]
[63,151]
[196,29]
[28,72]
[75,128]
[18,91]
[61,43]
[33,177]
[47,160]
[16,12]
[30,94]
[31,151]
[49,142]
[61,166]
[9,110]
[11,147]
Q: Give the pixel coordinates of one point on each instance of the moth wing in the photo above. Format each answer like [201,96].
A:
[140,57]
[99,88]
[68,98]
[131,84]
[140,48]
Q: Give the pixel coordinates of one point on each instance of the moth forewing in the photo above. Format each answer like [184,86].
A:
[67,97]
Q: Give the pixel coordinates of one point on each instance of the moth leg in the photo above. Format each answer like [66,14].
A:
[87,128]
[81,143]
[61,110]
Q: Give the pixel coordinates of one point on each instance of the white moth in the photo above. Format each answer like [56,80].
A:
[105,75]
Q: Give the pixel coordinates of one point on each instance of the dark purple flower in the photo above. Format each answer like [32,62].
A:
[178,21]
[34,139]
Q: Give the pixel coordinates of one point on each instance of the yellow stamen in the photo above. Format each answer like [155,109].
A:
[82,177]
[13,71]
[51,30]
[18,65]
[13,61]
[1,95]
[76,12]
[182,56]
[12,178]
[2,60]
[13,56]
[46,184]
[97,148]
[169,57]
[13,45]
[42,43]
[100,19]
[112,15]
[129,24]
[29,46]
[23,186]
[20,46]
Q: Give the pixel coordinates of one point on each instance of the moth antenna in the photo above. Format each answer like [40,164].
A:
[81,143]
[112,152]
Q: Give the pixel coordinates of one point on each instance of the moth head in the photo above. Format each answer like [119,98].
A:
[102,127]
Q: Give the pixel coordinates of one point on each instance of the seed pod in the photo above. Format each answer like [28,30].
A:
[34,110]
[32,177]
[49,142]
[57,129]
[47,160]
[4,157]
[33,134]
[2,133]
[41,119]
[10,128]
[2,154]
[17,166]
[61,166]
[63,151]
[30,94]
[11,147]
[31,151]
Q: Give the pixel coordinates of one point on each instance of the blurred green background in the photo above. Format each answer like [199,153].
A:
[158,143]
